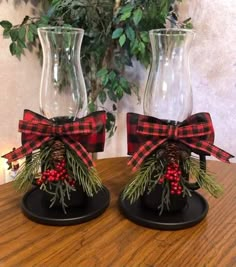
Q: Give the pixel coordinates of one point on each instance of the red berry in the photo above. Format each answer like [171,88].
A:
[63,164]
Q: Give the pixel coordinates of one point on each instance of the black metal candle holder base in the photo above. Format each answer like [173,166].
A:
[36,210]
[194,212]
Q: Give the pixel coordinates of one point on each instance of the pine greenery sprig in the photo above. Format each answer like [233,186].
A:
[165,197]
[60,192]
[29,170]
[205,179]
[147,177]
[87,177]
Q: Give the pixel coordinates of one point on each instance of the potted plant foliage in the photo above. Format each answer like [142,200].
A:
[116,31]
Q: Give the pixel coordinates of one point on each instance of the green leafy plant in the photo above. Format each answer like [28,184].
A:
[116,31]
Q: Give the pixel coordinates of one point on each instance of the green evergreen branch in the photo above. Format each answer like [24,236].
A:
[87,177]
[165,198]
[205,179]
[146,178]
[30,170]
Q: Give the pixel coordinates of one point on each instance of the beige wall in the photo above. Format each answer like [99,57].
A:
[213,65]
[19,81]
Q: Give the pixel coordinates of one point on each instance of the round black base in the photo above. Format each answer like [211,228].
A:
[195,211]
[33,207]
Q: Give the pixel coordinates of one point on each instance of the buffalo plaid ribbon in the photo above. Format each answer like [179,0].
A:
[82,135]
[145,134]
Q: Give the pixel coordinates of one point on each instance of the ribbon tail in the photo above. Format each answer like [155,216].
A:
[145,150]
[79,149]
[211,149]
[25,149]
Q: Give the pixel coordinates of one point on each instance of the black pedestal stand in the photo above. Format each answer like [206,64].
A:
[195,211]
[36,210]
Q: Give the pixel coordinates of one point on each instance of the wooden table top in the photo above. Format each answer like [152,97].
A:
[112,240]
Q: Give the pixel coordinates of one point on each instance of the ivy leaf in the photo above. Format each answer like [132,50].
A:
[112,76]
[126,9]
[44,21]
[6,33]
[30,36]
[122,40]
[125,85]
[102,73]
[130,33]
[127,90]
[92,107]
[13,34]
[125,16]
[105,80]
[6,24]
[21,43]
[102,97]
[33,29]
[21,33]
[119,92]
[144,36]
[112,95]
[138,14]
[18,51]
[135,47]
[141,48]
[117,33]
[13,48]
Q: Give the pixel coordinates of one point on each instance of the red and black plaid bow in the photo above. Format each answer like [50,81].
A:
[146,133]
[82,135]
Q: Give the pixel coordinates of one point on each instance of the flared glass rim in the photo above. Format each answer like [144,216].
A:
[60,30]
[171,31]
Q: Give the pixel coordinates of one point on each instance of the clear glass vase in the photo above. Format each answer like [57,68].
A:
[62,91]
[168,96]
[168,93]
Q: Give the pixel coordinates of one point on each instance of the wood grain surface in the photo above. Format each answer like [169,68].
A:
[112,240]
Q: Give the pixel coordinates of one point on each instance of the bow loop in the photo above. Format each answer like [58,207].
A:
[146,133]
[37,130]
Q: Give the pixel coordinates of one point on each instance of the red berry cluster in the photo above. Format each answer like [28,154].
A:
[173,175]
[54,175]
